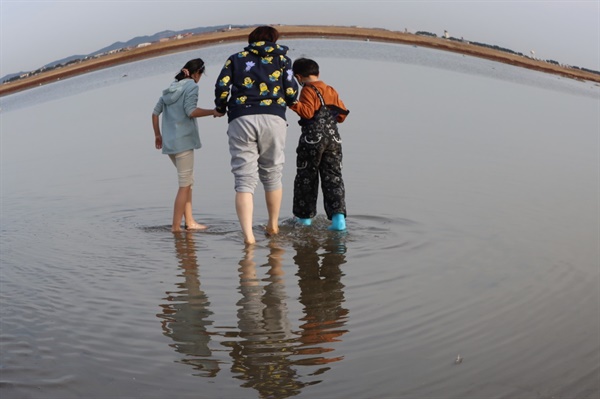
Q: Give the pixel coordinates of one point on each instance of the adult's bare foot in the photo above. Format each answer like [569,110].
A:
[271,231]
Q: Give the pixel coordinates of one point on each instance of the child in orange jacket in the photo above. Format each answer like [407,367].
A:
[319,152]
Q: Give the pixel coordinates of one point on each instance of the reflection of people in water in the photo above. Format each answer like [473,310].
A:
[268,355]
[321,293]
[262,357]
[186,312]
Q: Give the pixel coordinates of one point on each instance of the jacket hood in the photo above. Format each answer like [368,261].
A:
[175,91]
[263,49]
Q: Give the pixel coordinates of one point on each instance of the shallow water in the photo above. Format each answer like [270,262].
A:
[472,191]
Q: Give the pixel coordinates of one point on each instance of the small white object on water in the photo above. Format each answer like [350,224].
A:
[458,360]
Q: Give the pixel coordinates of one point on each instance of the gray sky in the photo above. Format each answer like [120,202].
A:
[34,33]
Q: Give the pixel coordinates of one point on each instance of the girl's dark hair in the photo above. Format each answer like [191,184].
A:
[263,34]
[192,66]
[305,67]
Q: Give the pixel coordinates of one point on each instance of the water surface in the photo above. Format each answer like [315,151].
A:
[473,230]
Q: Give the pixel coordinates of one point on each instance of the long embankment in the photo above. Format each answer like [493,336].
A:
[328,32]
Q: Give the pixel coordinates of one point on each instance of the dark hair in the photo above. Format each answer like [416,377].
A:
[192,66]
[263,34]
[305,67]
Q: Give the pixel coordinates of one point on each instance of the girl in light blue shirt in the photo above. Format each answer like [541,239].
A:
[180,137]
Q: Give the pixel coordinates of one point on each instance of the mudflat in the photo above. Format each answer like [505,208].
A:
[289,31]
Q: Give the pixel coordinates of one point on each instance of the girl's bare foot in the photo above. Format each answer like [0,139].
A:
[195,226]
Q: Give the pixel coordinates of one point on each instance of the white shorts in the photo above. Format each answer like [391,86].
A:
[184,162]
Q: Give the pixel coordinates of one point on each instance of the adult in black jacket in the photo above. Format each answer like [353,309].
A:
[254,88]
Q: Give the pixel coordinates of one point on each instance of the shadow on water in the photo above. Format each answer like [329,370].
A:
[266,352]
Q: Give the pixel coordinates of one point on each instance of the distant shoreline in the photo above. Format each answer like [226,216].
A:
[293,32]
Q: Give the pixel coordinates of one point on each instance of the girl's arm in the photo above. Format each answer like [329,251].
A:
[200,112]
[157,135]
[190,102]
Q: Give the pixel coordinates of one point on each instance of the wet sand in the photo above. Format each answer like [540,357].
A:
[287,31]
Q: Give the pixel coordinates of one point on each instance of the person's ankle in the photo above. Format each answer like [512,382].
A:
[271,229]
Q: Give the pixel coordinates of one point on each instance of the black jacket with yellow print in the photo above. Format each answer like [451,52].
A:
[258,80]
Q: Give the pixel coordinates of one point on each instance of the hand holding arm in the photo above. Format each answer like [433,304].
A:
[200,112]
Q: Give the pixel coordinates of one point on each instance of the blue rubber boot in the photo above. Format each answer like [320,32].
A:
[304,222]
[338,222]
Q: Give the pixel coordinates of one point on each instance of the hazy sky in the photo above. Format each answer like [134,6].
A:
[34,33]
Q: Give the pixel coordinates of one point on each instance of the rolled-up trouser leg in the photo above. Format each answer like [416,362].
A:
[256,145]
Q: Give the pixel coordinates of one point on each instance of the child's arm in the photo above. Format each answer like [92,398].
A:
[190,104]
[305,106]
[335,104]
[158,108]
[342,112]
[157,135]
[200,112]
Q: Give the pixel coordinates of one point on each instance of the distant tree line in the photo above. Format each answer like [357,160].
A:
[423,33]
[586,70]
[494,47]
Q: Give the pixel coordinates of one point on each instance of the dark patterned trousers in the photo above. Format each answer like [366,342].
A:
[319,154]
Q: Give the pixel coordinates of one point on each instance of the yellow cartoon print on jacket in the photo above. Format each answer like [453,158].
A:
[248,83]
[264,89]
[260,75]
[224,81]
[274,77]
[290,92]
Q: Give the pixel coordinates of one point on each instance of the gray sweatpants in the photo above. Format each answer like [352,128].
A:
[256,145]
